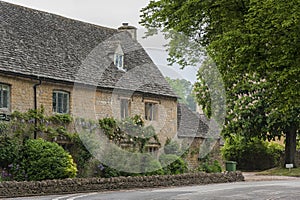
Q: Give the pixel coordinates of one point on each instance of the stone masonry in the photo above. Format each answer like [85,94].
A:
[17,189]
[92,103]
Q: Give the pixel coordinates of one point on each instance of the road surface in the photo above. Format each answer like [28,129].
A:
[287,189]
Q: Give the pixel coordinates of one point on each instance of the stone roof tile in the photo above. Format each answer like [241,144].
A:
[194,125]
[47,45]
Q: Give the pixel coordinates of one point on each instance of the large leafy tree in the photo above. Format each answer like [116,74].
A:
[255,46]
[183,88]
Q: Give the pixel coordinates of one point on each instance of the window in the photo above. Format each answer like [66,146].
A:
[119,57]
[153,150]
[151,111]
[61,102]
[119,60]
[4,96]
[125,104]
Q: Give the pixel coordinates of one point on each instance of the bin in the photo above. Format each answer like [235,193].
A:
[230,166]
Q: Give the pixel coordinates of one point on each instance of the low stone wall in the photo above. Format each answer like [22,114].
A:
[17,189]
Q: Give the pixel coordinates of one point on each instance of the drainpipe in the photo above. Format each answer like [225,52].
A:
[35,105]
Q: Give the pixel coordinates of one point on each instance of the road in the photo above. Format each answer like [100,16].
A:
[287,189]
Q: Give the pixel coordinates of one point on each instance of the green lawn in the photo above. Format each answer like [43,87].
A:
[281,172]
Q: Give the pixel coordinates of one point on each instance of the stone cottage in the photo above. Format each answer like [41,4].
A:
[200,134]
[82,69]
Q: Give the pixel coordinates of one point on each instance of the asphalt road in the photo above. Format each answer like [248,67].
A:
[287,189]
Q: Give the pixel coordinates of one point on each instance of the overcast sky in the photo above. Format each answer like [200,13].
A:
[112,13]
[109,13]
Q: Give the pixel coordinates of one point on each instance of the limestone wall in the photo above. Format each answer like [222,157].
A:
[195,152]
[16,189]
[92,103]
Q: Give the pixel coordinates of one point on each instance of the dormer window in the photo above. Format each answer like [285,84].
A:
[119,58]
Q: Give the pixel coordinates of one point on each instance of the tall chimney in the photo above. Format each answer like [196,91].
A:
[131,29]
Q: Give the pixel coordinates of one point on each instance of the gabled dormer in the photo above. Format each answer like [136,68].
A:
[119,58]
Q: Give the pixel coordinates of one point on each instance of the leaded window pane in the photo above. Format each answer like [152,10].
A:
[4,96]
[60,102]
[65,103]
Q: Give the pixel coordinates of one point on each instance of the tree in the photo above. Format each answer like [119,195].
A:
[210,92]
[183,88]
[254,46]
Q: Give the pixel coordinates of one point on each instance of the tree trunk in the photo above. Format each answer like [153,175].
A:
[290,146]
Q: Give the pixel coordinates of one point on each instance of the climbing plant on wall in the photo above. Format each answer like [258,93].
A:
[130,131]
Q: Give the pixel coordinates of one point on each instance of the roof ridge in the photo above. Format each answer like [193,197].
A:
[56,15]
[52,46]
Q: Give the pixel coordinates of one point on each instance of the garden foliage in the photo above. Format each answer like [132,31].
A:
[41,160]
[254,154]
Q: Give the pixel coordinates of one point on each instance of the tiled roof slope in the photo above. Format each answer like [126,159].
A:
[193,125]
[50,46]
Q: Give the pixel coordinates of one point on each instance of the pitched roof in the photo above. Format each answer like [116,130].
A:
[194,125]
[36,43]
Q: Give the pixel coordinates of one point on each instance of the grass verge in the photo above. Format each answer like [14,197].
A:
[281,172]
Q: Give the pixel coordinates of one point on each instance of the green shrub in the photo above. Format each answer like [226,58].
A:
[42,160]
[152,166]
[253,154]
[276,151]
[210,168]
[172,164]
[9,151]
[171,147]
[94,168]
[80,154]
[134,164]
[145,164]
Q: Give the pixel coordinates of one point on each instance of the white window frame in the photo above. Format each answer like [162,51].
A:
[119,58]
[64,101]
[4,87]
[119,61]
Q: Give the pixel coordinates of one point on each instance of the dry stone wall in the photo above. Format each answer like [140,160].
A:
[17,189]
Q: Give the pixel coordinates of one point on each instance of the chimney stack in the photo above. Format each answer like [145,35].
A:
[131,29]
